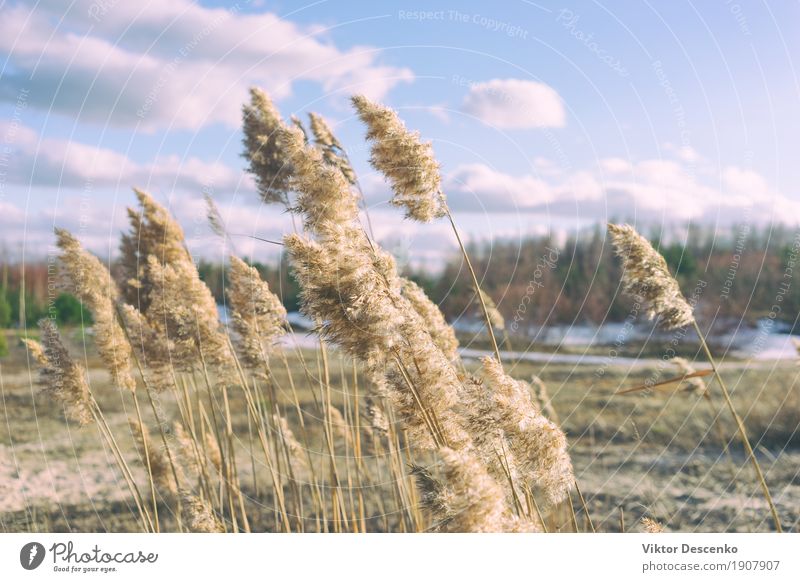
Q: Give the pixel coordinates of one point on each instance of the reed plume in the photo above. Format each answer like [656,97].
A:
[333,152]
[153,458]
[299,125]
[353,289]
[201,516]
[652,526]
[409,163]
[213,452]
[63,379]
[377,419]
[646,278]
[267,160]
[413,173]
[443,335]
[466,499]
[183,311]
[174,320]
[214,217]
[153,232]
[694,385]
[257,314]
[90,281]
[537,445]
[295,451]
[187,451]
[324,195]
[340,424]
[495,317]
[543,398]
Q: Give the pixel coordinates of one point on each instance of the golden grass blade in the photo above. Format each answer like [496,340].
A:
[677,379]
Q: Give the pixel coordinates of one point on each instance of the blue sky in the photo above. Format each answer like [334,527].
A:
[546,116]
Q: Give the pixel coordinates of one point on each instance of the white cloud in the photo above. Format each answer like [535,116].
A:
[62,163]
[685,153]
[655,189]
[171,64]
[515,104]
[616,165]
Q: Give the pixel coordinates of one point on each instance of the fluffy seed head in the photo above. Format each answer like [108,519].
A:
[696,385]
[466,499]
[154,457]
[409,163]
[90,281]
[646,277]
[652,526]
[183,311]
[258,316]
[201,516]
[495,317]
[543,397]
[443,335]
[153,232]
[296,452]
[538,446]
[268,162]
[324,195]
[332,150]
[61,377]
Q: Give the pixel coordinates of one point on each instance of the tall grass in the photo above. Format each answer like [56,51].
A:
[392,433]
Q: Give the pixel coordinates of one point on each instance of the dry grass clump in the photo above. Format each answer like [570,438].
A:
[487,451]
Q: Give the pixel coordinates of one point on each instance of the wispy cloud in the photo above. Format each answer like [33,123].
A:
[54,162]
[653,189]
[171,64]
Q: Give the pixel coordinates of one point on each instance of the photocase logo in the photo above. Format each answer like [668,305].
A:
[31,555]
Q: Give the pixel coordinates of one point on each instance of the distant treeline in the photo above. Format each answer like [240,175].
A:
[749,273]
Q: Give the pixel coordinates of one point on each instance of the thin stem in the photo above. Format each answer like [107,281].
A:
[477,288]
[741,429]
